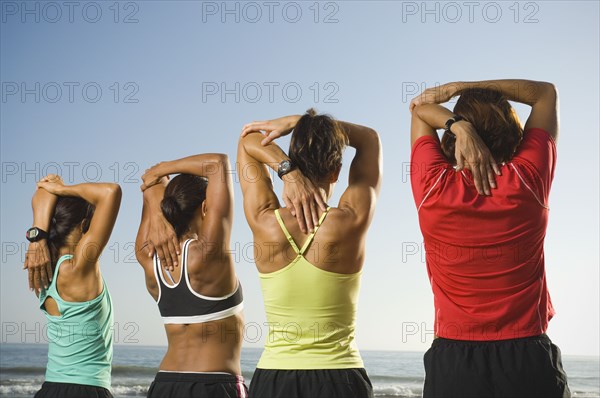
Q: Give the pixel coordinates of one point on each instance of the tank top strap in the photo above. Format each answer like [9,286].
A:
[286,232]
[158,272]
[312,235]
[52,287]
[62,259]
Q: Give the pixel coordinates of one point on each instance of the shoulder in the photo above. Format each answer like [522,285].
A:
[143,256]
[538,148]
[203,251]
[344,219]
[266,220]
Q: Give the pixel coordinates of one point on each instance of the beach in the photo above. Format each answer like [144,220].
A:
[393,373]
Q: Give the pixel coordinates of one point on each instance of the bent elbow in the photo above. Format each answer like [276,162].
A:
[222,158]
[550,92]
[114,191]
[374,135]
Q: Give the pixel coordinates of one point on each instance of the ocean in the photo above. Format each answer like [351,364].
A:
[394,374]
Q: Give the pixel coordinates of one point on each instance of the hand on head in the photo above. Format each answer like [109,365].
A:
[300,195]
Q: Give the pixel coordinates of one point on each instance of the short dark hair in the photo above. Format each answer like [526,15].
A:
[317,145]
[183,196]
[493,118]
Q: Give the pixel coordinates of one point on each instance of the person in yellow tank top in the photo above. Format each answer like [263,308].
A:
[309,256]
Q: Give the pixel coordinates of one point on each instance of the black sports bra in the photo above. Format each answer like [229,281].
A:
[180,304]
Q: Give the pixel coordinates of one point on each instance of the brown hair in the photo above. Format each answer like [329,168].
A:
[183,196]
[316,147]
[494,120]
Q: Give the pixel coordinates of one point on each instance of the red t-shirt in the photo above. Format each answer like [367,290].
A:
[485,254]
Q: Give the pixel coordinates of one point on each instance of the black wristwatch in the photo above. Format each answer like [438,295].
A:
[284,167]
[451,121]
[34,234]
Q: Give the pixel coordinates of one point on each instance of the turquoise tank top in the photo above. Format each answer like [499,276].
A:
[80,340]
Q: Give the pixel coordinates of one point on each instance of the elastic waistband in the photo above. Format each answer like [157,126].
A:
[198,377]
[539,338]
[61,384]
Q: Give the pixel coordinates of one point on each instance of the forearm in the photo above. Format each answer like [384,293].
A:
[270,155]
[435,116]
[94,193]
[367,166]
[43,204]
[204,165]
[152,198]
[359,137]
[524,91]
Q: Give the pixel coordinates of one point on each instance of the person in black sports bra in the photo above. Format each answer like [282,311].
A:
[183,247]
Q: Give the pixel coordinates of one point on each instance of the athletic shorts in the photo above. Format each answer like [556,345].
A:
[527,367]
[326,383]
[197,385]
[70,390]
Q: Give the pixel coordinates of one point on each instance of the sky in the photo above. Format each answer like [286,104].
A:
[100,91]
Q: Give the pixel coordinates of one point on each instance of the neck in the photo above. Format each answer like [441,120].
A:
[68,248]
[326,187]
[188,235]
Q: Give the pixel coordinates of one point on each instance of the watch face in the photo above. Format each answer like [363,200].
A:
[284,168]
[33,234]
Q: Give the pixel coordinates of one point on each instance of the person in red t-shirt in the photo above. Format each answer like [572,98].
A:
[482,198]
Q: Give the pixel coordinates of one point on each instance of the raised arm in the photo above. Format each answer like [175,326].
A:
[255,181]
[161,232]
[255,155]
[364,181]
[541,96]
[106,199]
[470,150]
[37,259]
[217,223]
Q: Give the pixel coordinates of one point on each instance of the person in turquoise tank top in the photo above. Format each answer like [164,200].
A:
[71,226]
[309,255]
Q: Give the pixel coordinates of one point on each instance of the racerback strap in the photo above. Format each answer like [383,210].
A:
[310,237]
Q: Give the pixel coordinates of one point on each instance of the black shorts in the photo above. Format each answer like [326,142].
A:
[70,390]
[527,367]
[200,385]
[321,383]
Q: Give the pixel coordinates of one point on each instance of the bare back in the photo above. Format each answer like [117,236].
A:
[337,246]
[212,346]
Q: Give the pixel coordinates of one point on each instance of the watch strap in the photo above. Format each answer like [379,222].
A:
[284,168]
[38,234]
[451,121]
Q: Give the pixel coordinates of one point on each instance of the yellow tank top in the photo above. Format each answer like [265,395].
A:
[311,314]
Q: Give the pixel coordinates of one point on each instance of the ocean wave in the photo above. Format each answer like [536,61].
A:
[116,370]
[136,390]
[395,379]
[395,390]
[580,394]
[19,389]
[29,390]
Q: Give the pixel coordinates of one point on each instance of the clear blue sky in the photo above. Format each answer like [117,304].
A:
[162,78]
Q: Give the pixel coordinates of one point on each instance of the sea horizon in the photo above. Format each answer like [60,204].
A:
[592,356]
